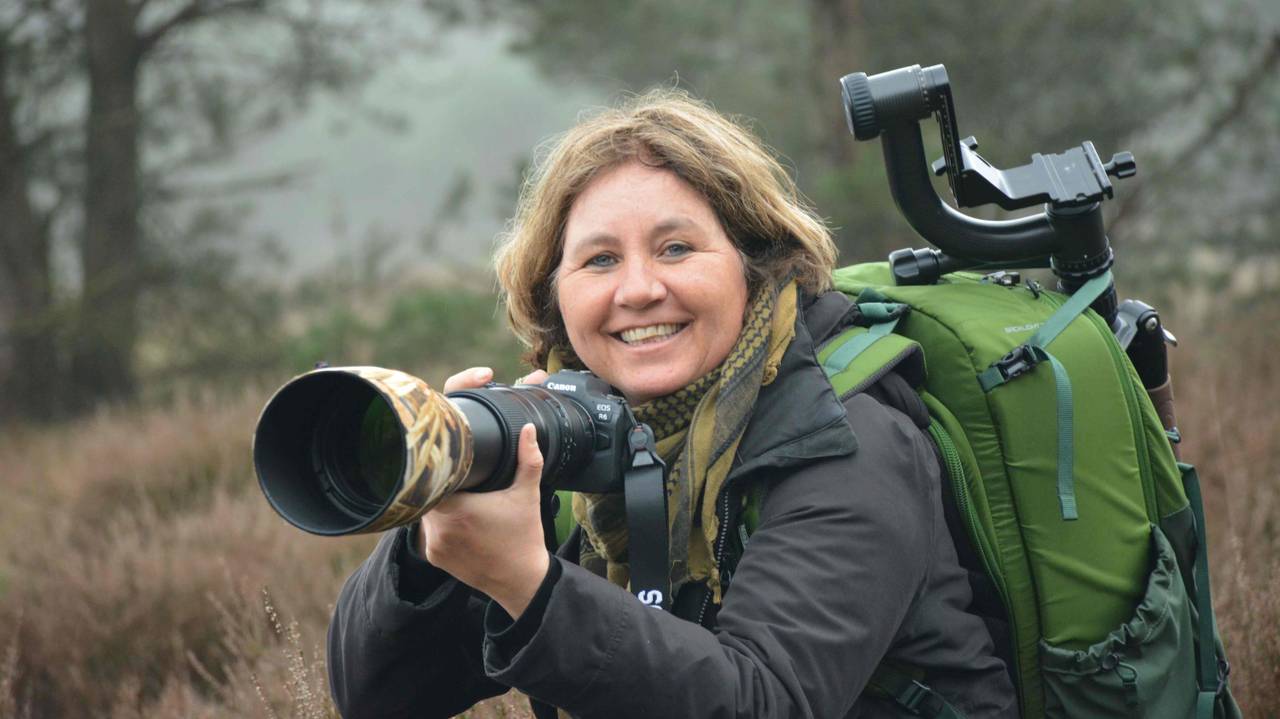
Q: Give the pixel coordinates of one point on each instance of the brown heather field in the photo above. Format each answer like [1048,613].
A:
[143,575]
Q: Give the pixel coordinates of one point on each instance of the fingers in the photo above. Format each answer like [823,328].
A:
[535,377]
[528,459]
[450,523]
[468,379]
[479,376]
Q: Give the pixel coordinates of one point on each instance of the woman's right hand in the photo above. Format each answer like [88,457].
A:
[493,541]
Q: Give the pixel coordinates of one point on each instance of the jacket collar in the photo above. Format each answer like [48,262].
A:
[798,418]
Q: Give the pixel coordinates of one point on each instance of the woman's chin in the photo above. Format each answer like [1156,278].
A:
[640,387]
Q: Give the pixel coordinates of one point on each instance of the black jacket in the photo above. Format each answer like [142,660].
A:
[851,563]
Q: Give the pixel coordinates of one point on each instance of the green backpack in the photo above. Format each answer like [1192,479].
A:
[1072,501]
[1089,530]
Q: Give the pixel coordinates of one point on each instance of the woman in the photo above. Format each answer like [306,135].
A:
[659,246]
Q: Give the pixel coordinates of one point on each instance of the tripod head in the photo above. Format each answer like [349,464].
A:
[1067,236]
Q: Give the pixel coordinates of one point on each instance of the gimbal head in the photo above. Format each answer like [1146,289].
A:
[1068,236]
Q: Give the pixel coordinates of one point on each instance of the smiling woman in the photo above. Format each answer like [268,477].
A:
[651,291]
[660,246]
[754,202]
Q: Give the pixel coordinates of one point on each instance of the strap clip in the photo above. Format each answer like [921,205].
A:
[1020,360]
[643,446]
[913,695]
[921,700]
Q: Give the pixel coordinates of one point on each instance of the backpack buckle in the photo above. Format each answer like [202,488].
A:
[913,696]
[920,700]
[1019,361]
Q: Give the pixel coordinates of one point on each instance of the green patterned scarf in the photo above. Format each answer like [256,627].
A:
[698,429]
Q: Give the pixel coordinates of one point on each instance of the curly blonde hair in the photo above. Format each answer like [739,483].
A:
[756,201]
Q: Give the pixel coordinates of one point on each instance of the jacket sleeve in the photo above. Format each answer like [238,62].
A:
[405,639]
[839,557]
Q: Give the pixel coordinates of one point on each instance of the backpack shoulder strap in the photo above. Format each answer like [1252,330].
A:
[860,356]
[854,360]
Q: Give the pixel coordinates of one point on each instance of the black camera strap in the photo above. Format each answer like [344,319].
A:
[644,486]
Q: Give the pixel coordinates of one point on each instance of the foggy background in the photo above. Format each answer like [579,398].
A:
[201,198]
[193,189]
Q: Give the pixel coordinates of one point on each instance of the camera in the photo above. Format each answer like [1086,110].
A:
[344,450]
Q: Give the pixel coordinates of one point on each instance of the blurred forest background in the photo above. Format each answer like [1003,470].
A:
[200,198]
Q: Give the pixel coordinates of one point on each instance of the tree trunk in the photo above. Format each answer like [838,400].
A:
[110,250]
[837,41]
[28,357]
[836,34]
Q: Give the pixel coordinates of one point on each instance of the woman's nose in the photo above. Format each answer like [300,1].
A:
[639,286]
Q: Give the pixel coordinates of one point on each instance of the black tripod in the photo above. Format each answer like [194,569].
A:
[1068,236]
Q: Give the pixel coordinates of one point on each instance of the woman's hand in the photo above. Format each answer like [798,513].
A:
[493,541]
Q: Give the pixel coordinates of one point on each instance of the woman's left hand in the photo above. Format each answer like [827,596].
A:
[493,541]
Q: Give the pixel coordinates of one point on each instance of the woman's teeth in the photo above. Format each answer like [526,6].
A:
[650,333]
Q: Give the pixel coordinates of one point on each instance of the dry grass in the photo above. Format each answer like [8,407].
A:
[1229,412]
[135,548]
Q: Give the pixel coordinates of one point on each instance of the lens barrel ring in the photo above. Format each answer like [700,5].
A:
[512,414]
[569,445]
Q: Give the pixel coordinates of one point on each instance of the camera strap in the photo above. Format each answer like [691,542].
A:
[644,487]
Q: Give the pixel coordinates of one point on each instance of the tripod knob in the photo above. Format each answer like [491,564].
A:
[1122,165]
[859,106]
[894,98]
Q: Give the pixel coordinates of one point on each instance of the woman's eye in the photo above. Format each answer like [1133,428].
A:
[600,261]
[676,249]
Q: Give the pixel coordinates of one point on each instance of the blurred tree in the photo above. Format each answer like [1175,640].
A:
[1028,77]
[1207,198]
[33,191]
[108,103]
[24,256]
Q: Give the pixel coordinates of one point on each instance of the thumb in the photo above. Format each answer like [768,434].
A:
[535,377]
[528,459]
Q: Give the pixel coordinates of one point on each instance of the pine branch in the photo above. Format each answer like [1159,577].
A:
[1243,90]
[193,12]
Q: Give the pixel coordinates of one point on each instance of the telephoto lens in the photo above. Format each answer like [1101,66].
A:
[344,450]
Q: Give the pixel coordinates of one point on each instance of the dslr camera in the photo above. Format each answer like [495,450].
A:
[343,450]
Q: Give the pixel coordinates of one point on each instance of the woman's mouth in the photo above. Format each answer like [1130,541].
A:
[651,334]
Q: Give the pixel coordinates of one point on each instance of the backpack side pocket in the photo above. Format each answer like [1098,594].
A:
[1144,668]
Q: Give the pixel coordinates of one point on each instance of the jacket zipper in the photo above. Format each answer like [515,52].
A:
[722,517]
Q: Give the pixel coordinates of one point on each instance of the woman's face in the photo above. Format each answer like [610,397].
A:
[651,290]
